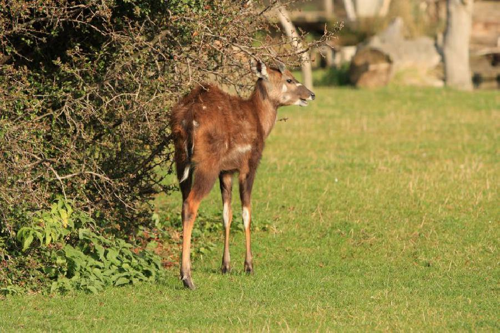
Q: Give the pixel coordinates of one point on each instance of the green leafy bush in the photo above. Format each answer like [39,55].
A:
[95,262]
[74,256]
[334,76]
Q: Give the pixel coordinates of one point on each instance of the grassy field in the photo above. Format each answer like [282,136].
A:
[374,210]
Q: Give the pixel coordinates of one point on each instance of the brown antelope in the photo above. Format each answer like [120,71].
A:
[217,135]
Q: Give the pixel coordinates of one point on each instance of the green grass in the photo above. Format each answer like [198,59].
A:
[377,210]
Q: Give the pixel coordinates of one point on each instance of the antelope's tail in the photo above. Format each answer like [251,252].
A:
[183,132]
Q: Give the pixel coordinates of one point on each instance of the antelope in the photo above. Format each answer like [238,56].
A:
[217,135]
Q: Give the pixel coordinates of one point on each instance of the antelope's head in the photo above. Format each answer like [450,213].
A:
[281,86]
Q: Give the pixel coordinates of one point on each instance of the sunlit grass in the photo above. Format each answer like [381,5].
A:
[381,211]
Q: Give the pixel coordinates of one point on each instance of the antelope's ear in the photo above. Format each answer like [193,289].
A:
[281,67]
[259,69]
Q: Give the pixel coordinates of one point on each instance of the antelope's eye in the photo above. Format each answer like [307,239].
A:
[289,81]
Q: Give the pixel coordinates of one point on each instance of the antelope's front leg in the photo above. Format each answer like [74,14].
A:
[246,183]
[226,185]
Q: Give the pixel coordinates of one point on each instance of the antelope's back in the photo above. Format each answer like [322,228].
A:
[214,120]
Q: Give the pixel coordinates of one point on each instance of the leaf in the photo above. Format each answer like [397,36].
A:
[64,217]
[97,272]
[27,241]
[122,281]
[112,256]
[109,272]
[53,287]
[54,207]
[100,252]
[48,239]
[152,245]
[10,290]
[69,209]
[21,232]
[156,219]
[60,260]
[92,289]
[39,235]
[50,271]
[81,233]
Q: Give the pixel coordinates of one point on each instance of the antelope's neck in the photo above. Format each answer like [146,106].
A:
[267,111]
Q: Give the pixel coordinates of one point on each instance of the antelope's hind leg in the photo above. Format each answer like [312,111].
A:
[226,186]
[246,184]
[202,184]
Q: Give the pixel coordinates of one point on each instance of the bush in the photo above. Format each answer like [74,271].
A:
[64,249]
[334,76]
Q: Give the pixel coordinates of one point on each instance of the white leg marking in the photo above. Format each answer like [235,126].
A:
[225,214]
[195,123]
[284,89]
[186,174]
[246,218]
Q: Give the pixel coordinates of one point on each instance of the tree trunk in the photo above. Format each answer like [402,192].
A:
[291,32]
[385,8]
[456,44]
[328,7]
[349,9]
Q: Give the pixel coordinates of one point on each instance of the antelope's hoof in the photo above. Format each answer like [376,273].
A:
[248,268]
[225,268]
[188,282]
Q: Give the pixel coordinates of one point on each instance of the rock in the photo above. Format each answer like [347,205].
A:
[344,55]
[389,53]
[370,68]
